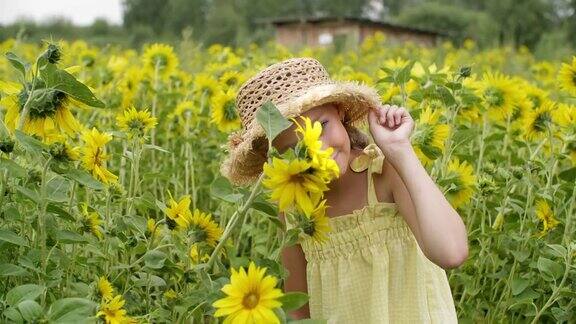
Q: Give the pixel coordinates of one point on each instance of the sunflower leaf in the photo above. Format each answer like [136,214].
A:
[18,63]
[67,83]
[270,118]
[293,300]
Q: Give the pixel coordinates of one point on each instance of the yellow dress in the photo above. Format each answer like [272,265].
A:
[371,269]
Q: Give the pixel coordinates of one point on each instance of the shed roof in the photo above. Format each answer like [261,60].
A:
[288,20]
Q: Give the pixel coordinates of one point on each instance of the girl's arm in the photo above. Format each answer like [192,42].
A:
[439,229]
[293,259]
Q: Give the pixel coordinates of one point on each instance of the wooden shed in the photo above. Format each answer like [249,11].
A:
[343,31]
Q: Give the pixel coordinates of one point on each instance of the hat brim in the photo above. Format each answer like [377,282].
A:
[248,148]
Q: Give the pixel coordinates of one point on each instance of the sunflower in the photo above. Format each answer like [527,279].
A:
[136,123]
[250,297]
[91,222]
[105,289]
[537,121]
[460,181]
[194,254]
[322,164]
[60,149]
[430,135]
[205,84]
[316,224]
[49,109]
[231,79]
[223,110]
[94,155]
[113,312]
[178,214]
[161,57]
[205,229]
[567,76]
[499,94]
[546,216]
[292,184]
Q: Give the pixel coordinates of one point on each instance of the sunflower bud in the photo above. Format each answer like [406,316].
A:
[6,145]
[465,72]
[52,54]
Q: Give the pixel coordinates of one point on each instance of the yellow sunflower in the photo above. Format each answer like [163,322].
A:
[460,181]
[321,160]
[316,225]
[537,121]
[136,123]
[49,109]
[113,312]
[251,297]
[94,155]
[105,289]
[223,110]
[161,57]
[430,135]
[500,94]
[178,214]
[205,84]
[546,216]
[292,184]
[567,77]
[206,230]
[91,222]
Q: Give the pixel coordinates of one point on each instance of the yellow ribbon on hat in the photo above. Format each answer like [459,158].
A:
[371,158]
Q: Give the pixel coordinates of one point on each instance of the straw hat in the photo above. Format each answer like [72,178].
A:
[295,86]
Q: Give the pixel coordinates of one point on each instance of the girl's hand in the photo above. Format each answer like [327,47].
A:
[391,127]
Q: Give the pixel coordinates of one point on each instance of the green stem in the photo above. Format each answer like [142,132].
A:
[233,220]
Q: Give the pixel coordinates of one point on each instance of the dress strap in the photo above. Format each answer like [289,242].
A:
[371,159]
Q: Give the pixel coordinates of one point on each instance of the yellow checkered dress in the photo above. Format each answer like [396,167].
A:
[371,270]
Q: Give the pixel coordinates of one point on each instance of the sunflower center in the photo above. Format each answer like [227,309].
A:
[541,121]
[229,111]
[45,102]
[308,227]
[136,125]
[199,234]
[494,96]
[535,100]
[160,60]
[251,300]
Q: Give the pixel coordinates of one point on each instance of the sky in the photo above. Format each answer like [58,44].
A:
[80,12]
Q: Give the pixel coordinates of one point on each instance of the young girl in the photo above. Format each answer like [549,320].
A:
[392,230]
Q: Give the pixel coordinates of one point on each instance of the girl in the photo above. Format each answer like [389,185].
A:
[392,230]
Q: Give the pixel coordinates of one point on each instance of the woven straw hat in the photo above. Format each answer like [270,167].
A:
[294,86]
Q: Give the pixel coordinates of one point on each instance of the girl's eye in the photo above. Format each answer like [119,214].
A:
[324,123]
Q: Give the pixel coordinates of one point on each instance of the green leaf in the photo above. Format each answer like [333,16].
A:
[518,285]
[13,169]
[24,292]
[270,118]
[221,188]
[293,300]
[265,208]
[67,83]
[18,63]
[30,310]
[29,143]
[11,237]
[68,237]
[7,269]
[550,270]
[58,189]
[404,74]
[568,175]
[84,178]
[155,259]
[30,194]
[59,211]
[70,310]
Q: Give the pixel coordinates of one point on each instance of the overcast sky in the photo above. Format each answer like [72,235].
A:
[81,12]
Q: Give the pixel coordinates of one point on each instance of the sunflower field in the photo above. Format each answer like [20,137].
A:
[113,208]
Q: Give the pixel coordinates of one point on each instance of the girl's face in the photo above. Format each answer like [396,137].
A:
[333,133]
